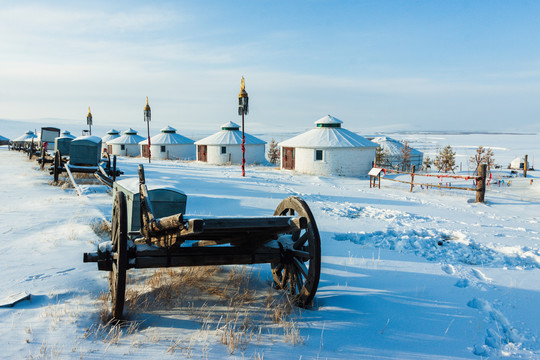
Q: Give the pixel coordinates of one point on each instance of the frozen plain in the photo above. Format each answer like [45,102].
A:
[387,290]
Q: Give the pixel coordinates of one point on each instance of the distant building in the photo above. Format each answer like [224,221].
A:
[169,145]
[393,151]
[125,145]
[328,150]
[19,141]
[111,134]
[517,164]
[225,147]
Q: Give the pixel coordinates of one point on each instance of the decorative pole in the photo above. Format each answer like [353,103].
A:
[89,120]
[243,110]
[147,116]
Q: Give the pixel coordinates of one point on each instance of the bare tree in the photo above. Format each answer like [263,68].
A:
[445,161]
[482,156]
[427,163]
[273,152]
[405,159]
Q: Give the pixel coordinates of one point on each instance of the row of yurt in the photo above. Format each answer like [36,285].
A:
[168,145]
[21,140]
[225,146]
[393,152]
[328,149]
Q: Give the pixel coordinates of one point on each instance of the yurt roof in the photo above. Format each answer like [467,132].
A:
[168,136]
[27,135]
[2,138]
[91,138]
[130,137]
[113,132]
[67,134]
[332,136]
[232,136]
[392,146]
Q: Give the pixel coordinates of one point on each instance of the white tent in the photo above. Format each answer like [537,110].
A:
[126,145]
[393,150]
[27,135]
[517,163]
[111,134]
[169,145]
[328,150]
[225,147]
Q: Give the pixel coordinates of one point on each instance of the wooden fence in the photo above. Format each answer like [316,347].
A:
[375,174]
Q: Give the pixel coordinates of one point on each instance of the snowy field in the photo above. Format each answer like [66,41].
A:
[388,290]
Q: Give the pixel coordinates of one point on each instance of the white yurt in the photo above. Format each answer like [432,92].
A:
[111,134]
[19,141]
[125,145]
[4,140]
[225,147]
[393,150]
[517,163]
[328,150]
[169,145]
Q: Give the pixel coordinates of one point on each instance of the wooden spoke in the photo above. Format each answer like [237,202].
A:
[301,267]
[301,241]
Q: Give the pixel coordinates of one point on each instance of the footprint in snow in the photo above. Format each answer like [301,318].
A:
[479,275]
[449,269]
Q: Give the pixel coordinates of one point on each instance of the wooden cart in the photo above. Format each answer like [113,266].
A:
[288,240]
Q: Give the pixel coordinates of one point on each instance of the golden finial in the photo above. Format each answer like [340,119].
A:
[243,92]
[147,107]
[89,113]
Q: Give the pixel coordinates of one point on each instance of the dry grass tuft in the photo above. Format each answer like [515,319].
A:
[231,308]
[102,228]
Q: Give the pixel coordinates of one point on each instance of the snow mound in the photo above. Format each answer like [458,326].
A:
[446,246]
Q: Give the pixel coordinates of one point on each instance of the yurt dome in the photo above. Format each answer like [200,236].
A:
[393,150]
[111,134]
[169,145]
[328,149]
[27,135]
[126,145]
[225,146]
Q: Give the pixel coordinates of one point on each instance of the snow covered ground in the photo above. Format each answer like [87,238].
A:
[388,290]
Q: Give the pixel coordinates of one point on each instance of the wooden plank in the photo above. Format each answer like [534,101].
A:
[203,256]
[77,188]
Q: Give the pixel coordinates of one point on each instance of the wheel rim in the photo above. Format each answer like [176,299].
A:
[117,277]
[299,273]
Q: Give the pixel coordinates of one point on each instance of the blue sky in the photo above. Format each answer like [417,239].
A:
[376,65]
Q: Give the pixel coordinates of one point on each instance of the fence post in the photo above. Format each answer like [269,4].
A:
[412,176]
[525,166]
[481,183]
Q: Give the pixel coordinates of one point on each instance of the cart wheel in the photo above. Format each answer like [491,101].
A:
[56,165]
[300,271]
[117,277]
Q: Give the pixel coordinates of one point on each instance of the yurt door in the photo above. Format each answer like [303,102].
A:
[145,151]
[288,158]
[202,152]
